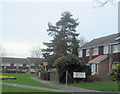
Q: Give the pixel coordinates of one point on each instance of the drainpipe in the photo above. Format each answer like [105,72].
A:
[110,59]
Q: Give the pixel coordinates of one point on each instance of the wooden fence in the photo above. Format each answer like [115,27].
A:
[54,76]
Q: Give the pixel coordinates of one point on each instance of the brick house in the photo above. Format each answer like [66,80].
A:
[23,64]
[102,54]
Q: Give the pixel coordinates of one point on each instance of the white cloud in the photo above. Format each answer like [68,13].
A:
[17,49]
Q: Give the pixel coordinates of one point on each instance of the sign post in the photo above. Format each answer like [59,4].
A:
[66,76]
[45,63]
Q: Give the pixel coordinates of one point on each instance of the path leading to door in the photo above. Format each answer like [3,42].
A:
[62,87]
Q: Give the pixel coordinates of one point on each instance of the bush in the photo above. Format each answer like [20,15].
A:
[72,63]
[114,75]
[92,78]
[44,75]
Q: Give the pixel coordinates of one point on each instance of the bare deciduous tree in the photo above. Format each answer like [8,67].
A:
[101,3]
[82,41]
[36,51]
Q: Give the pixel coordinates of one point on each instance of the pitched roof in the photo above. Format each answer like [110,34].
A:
[102,41]
[28,60]
[14,60]
[34,60]
[98,59]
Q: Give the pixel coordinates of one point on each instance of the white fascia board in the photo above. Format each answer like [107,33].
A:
[100,45]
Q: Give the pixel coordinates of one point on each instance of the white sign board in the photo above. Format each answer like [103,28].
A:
[79,75]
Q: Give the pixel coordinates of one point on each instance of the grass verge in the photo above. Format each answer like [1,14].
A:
[6,88]
[101,86]
[24,79]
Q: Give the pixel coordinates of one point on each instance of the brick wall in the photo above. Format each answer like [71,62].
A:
[85,58]
[103,68]
[90,53]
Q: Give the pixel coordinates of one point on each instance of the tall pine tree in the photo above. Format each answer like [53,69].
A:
[64,36]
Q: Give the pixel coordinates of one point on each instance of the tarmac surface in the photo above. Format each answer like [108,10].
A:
[62,87]
[32,87]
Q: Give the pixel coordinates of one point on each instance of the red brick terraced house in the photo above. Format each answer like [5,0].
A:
[23,64]
[102,54]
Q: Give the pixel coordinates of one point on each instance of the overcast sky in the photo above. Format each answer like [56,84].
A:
[24,24]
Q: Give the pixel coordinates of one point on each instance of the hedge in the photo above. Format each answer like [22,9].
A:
[72,63]
[12,71]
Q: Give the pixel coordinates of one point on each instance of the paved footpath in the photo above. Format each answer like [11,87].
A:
[62,87]
[32,87]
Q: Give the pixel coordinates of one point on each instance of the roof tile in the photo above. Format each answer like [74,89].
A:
[98,59]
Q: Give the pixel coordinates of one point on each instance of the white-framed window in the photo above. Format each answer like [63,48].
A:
[8,64]
[80,53]
[106,49]
[94,69]
[87,52]
[32,64]
[20,65]
[115,63]
[15,64]
[33,70]
[95,51]
[27,65]
[118,38]
[116,48]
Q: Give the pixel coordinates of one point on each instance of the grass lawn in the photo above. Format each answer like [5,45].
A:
[24,79]
[6,88]
[19,90]
[101,86]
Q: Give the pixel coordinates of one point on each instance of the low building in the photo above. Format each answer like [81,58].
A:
[102,54]
[23,64]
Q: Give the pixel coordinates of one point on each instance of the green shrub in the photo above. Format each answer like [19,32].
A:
[115,73]
[45,75]
[72,63]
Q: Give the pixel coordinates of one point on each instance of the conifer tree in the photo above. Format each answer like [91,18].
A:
[64,37]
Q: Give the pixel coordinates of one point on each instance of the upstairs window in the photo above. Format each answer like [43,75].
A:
[80,53]
[95,51]
[116,48]
[7,64]
[15,65]
[105,49]
[118,38]
[21,65]
[87,52]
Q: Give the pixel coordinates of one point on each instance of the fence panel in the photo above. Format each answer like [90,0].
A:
[54,76]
